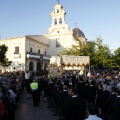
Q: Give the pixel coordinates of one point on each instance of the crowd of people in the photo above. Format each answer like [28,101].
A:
[11,87]
[70,96]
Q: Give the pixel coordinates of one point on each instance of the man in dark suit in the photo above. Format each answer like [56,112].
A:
[74,107]
[110,104]
[62,98]
[91,92]
[104,96]
[81,88]
[98,95]
[116,109]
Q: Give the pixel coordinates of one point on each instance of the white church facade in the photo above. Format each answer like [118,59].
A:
[59,33]
[25,51]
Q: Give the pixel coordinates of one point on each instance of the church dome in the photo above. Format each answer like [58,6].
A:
[77,32]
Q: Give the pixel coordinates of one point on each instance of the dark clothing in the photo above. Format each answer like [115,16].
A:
[74,109]
[116,109]
[81,89]
[62,98]
[49,94]
[98,97]
[104,97]
[110,106]
[10,107]
[35,96]
[91,94]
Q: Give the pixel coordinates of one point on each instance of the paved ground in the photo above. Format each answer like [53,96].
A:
[26,111]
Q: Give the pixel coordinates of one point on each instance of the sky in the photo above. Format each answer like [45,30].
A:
[32,17]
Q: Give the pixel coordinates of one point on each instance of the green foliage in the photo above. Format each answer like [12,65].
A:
[6,63]
[3,60]
[3,50]
[100,54]
[117,57]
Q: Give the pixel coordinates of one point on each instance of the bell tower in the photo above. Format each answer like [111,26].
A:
[58,20]
[60,35]
[58,16]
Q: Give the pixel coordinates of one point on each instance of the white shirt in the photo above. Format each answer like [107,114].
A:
[27,75]
[93,117]
[12,94]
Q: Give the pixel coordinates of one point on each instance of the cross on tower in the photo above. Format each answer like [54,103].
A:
[76,29]
[58,1]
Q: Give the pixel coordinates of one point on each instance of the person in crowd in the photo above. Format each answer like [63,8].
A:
[3,111]
[62,98]
[27,84]
[10,106]
[12,94]
[81,88]
[55,95]
[116,107]
[92,112]
[110,104]
[44,85]
[98,97]
[34,89]
[104,97]
[49,92]
[91,92]
[74,107]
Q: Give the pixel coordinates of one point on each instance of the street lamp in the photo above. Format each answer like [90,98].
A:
[41,62]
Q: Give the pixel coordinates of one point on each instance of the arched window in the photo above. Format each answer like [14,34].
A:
[55,22]
[57,10]
[38,66]
[60,21]
[38,51]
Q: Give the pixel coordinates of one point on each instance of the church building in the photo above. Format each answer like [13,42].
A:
[59,33]
[33,52]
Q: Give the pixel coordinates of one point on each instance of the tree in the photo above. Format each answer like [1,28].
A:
[3,50]
[6,63]
[117,57]
[103,56]
[3,60]
[100,54]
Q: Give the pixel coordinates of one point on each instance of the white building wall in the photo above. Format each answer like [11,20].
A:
[17,62]
[65,42]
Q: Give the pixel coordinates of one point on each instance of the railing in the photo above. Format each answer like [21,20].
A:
[37,55]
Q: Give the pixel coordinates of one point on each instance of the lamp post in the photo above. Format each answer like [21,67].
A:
[41,62]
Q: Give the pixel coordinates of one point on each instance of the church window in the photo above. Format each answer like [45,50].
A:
[57,10]
[57,42]
[60,21]
[16,50]
[38,51]
[55,21]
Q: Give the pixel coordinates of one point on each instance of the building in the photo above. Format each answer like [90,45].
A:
[26,52]
[33,52]
[59,33]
